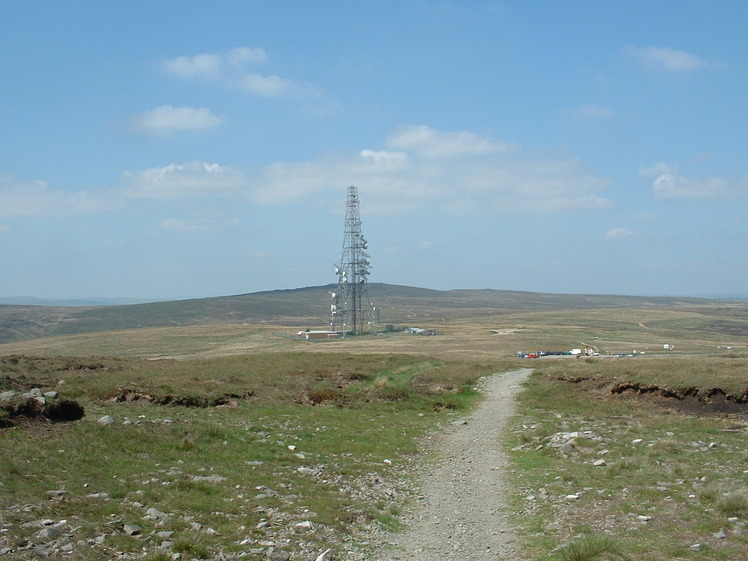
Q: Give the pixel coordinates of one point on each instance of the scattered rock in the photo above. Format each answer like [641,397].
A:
[105,420]
[305,526]
[156,514]
[48,534]
[325,555]
[209,478]
[132,529]
[166,534]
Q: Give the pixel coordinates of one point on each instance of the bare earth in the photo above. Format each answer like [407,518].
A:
[462,513]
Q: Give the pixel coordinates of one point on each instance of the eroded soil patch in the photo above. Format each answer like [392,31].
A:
[693,400]
[33,409]
[137,396]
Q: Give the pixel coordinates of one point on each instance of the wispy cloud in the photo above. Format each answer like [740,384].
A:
[619,234]
[193,179]
[666,59]
[37,198]
[417,167]
[656,170]
[166,119]
[432,143]
[459,172]
[236,69]
[672,185]
[590,112]
[213,66]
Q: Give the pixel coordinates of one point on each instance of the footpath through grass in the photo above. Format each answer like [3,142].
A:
[237,457]
[632,475]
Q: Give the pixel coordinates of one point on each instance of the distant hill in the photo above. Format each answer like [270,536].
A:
[32,301]
[304,307]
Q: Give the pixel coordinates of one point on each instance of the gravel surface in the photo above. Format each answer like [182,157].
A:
[461,513]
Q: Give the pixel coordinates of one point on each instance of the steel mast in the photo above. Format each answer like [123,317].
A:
[351,309]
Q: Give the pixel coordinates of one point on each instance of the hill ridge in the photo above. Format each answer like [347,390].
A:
[308,306]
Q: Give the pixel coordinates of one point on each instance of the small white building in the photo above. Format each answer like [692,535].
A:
[308,334]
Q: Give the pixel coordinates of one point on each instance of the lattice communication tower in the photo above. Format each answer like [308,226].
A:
[351,308]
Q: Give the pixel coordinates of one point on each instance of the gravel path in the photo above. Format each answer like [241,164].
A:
[460,514]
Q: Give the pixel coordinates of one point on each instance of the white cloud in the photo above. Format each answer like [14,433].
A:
[36,198]
[167,119]
[193,179]
[432,143]
[460,172]
[233,69]
[213,66]
[266,86]
[664,58]
[618,234]
[675,186]
[590,112]
[656,170]
[384,157]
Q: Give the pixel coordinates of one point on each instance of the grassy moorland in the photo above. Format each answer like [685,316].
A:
[237,455]
[657,470]
[226,440]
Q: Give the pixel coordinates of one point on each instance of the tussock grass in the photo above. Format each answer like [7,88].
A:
[733,503]
[592,548]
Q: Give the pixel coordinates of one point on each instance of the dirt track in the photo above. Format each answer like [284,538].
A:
[461,514]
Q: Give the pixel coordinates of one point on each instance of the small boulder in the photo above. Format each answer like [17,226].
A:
[48,534]
[305,526]
[132,529]
[105,420]
[156,514]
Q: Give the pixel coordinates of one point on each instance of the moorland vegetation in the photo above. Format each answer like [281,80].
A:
[218,435]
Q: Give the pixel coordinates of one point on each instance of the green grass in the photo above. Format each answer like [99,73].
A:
[669,481]
[247,471]
[592,548]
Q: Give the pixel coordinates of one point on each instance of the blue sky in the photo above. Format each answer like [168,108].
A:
[189,149]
